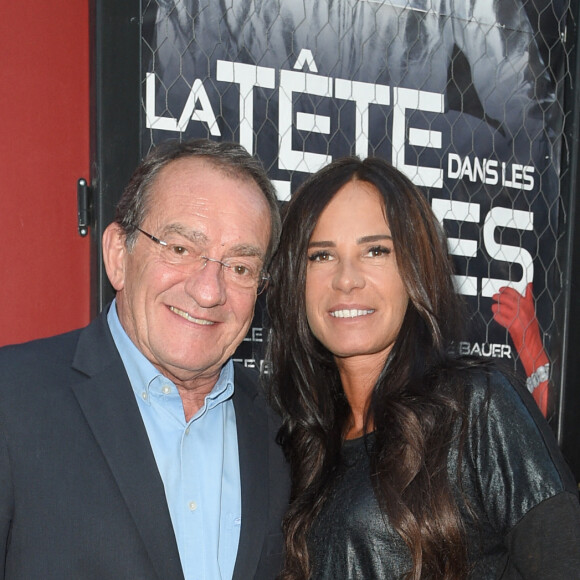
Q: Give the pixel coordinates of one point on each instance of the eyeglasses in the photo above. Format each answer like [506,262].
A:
[244,272]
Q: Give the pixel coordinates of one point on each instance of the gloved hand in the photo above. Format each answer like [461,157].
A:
[517,314]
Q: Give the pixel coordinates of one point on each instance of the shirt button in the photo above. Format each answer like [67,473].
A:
[187,431]
[166,389]
[192,506]
[144,395]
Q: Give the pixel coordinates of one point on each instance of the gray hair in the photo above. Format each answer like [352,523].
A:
[231,158]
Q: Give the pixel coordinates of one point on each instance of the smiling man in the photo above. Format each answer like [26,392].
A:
[135,448]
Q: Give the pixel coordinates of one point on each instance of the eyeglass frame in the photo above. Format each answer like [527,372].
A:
[262,282]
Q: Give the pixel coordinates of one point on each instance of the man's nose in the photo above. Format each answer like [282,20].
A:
[207,285]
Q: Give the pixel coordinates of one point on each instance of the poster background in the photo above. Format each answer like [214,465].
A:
[463,96]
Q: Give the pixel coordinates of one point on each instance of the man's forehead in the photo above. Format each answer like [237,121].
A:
[191,197]
[190,181]
[199,167]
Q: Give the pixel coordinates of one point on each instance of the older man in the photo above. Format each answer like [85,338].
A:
[135,448]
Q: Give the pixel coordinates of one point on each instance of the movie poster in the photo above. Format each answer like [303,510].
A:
[461,95]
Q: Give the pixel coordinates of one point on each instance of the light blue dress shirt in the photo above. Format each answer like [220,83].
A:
[197,460]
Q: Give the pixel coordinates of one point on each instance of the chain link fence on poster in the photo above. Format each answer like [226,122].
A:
[464,96]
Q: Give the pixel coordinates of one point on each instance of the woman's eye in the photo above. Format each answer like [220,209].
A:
[320,257]
[378,251]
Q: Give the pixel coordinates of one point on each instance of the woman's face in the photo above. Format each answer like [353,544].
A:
[355,298]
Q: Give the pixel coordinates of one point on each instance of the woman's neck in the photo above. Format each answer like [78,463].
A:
[358,377]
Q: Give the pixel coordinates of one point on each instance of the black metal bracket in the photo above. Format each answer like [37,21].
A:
[84,204]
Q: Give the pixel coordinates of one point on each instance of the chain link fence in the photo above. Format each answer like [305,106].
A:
[464,96]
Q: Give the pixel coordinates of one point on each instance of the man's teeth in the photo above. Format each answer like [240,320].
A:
[352,313]
[185,315]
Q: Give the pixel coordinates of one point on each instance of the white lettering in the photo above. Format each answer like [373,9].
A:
[294,82]
[204,115]
[248,77]
[453,166]
[495,350]
[518,176]
[485,170]
[508,218]
[305,58]
[405,99]
[528,178]
[491,172]
[448,209]
[364,94]
[152,121]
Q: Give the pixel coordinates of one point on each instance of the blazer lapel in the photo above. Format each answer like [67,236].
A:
[108,403]
[252,428]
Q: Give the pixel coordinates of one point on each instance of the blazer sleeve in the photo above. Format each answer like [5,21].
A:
[6,499]
[545,543]
[524,489]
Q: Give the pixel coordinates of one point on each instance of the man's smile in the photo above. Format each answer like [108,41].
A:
[190,318]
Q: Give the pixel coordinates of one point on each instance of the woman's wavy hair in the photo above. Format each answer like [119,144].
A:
[415,406]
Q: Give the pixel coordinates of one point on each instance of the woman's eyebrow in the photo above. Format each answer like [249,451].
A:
[362,240]
[375,238]
[321,244]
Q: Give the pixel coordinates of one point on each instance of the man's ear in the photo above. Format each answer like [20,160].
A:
[114,253]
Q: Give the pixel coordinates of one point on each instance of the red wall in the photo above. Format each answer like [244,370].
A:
[44,149]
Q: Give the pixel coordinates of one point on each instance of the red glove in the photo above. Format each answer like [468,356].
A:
[517,314]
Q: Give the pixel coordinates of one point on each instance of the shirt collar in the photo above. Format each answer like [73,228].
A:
[142,374]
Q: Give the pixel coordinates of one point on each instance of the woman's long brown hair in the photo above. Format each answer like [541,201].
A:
[415,406]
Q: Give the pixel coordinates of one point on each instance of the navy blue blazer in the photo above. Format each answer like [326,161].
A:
[80,494]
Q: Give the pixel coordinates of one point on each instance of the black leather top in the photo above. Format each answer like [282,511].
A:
[523,495]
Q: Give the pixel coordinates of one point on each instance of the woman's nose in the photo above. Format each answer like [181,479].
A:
[348,276]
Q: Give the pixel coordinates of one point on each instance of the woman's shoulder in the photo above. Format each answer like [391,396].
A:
[496,399]
[505,421]
[478,382]
[482,381]
[489,389]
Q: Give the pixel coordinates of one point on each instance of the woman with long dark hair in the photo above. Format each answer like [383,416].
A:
[407,460]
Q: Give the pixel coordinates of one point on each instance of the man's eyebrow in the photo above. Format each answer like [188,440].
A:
[193,236]
[196,237]
[248,250]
